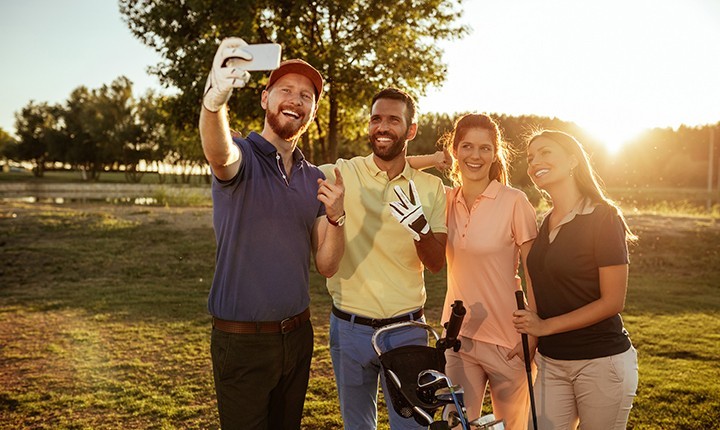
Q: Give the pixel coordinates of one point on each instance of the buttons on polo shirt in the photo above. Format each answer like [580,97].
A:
[280,168]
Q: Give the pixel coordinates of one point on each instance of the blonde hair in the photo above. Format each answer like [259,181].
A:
[451,139]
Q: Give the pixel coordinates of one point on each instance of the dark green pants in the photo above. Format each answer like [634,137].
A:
[261,379]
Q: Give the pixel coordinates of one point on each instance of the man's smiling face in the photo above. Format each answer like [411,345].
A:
[290,105]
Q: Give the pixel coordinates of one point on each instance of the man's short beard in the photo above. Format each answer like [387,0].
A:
[389,154]
[288,131]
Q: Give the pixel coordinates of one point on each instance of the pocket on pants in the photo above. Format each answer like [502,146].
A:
[623,365]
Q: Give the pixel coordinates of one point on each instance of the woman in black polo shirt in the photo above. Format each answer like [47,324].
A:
[587,367]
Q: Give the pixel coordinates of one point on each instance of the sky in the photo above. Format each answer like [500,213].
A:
[615,67]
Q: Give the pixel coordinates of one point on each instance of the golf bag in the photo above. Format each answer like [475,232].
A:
[416,381]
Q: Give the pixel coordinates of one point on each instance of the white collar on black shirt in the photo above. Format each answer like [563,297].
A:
[583,207]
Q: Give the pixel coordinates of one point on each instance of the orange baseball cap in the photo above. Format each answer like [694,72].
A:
[300,67]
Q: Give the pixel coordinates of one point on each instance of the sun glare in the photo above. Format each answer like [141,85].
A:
[612,137]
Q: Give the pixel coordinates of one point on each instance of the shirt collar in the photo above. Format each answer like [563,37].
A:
[491,191]
[269,149]
[583,207]
[375,171]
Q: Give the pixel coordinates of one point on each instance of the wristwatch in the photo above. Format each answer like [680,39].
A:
[337,223]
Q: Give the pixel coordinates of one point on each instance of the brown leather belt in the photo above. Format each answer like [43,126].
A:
[241,327]
[376,322]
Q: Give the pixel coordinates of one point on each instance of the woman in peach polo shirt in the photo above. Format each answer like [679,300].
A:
[490,227]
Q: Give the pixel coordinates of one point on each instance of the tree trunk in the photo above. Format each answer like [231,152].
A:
[39,170]
[332,152]
[307,148]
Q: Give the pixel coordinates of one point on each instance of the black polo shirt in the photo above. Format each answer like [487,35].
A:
[565,276]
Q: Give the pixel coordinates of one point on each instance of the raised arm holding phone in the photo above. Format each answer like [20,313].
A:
[272,210]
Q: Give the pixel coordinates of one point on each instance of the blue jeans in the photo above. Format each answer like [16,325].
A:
[357,367]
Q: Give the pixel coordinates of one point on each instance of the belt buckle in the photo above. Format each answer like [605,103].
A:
[287,325]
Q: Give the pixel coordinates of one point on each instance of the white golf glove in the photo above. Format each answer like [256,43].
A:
[223,77]
[409,212]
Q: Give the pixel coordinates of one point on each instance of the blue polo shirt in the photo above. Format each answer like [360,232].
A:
[263,227]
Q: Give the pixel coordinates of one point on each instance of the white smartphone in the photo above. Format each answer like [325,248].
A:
[266,56]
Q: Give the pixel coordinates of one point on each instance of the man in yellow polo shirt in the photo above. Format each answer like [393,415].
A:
[380,279]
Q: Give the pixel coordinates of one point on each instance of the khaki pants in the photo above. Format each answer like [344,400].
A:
[597,394]
[478,364]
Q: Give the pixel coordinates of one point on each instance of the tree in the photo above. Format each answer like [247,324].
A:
[8,146]
[359,46]
[38,130]
[102,127]
[8,149]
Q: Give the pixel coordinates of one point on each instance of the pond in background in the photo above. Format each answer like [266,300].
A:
[137,201]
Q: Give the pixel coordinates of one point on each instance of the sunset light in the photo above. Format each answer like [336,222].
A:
[613,73]
[612,136]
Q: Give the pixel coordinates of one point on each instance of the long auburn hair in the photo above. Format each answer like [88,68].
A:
[451,139]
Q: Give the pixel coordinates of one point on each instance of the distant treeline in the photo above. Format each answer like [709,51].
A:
[109,129]
[663,157]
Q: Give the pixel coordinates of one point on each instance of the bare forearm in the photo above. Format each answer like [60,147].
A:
[431,250]
[330,250]
[585,316]
[216,140]
[421,162]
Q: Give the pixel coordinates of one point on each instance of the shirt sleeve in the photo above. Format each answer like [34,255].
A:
[245,154]
[610,243]
[437,218]
[524,221]
[328,170]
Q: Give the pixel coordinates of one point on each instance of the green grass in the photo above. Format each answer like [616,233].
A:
[103,322]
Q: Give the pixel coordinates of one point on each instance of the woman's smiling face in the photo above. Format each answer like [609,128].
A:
[475,153]
[548,162]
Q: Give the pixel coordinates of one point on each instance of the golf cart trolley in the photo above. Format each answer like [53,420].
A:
[416,380]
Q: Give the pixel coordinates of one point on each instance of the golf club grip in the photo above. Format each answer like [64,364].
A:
[456,319]
[520,299]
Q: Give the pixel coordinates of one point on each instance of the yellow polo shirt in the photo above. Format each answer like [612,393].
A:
[381,275]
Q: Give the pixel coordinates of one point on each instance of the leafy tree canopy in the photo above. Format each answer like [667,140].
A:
[360,46]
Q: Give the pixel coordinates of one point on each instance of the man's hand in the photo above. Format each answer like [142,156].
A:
[408,211]
[332,196]
[223,78]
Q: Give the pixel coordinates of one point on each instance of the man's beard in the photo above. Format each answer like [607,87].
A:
[391,152]
[289,131]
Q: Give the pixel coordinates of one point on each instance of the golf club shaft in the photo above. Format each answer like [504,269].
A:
[520,299]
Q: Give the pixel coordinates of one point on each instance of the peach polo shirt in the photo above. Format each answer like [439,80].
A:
[483,255]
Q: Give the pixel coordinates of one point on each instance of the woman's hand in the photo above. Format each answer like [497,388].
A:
[528,322]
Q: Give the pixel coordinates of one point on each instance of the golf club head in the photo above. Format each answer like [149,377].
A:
[444,395]
[487,422]
[432,377]
[429,382]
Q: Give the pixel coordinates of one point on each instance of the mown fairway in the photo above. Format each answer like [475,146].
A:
[103,322]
